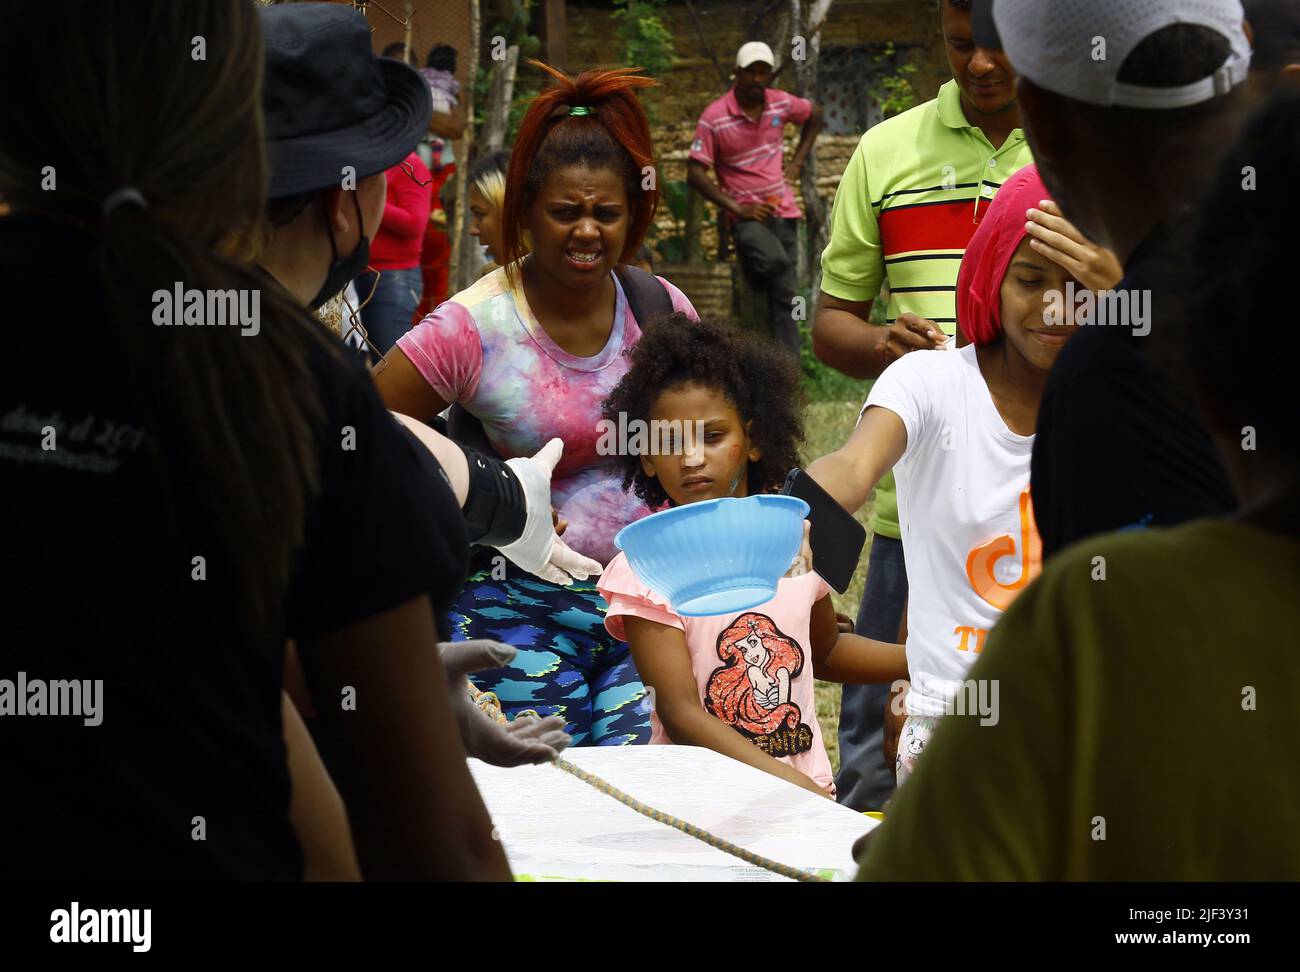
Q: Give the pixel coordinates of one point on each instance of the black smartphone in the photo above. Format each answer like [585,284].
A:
[837,538]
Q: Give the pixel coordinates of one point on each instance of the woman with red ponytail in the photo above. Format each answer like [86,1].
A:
[532,350]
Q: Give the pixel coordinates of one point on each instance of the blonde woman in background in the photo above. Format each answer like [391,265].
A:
[487,193]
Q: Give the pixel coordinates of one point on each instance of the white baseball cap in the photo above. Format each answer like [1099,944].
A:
[1076,48]
[754,51]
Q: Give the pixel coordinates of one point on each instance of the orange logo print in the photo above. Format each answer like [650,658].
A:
[984,558]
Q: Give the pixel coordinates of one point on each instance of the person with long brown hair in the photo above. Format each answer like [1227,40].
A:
[185,495]
[531,350]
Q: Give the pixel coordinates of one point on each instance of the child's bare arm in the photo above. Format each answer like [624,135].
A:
[848,658]
[661,657]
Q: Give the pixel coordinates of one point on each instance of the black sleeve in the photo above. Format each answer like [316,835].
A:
[1064,443]
[386,526]
[1111,452]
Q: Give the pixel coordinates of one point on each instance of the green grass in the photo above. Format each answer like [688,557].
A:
[827,426]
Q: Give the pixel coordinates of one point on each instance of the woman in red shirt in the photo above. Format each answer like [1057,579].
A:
[395,255]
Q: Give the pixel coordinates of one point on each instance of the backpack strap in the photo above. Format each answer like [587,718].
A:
[646,293]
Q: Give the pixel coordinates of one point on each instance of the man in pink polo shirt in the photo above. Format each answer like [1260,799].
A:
[741,137]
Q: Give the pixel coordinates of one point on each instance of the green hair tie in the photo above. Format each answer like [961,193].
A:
[579,110]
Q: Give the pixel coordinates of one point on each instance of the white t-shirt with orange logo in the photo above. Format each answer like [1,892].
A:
[963,506]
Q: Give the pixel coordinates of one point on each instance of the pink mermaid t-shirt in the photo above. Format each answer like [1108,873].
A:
[753,668]
[484,349]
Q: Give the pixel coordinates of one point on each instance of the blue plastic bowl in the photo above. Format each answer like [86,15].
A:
[718,556]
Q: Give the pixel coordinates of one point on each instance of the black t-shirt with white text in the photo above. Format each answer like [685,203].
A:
[179,771]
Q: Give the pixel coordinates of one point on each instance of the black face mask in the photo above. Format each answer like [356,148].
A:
[343,269]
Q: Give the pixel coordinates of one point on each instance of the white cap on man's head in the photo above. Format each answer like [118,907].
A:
[1076,48]
[752,52]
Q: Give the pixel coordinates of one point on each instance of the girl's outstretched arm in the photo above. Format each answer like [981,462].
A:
[664,663]
[848,658]
[851,472]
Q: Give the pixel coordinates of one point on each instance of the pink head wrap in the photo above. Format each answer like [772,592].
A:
[979,282]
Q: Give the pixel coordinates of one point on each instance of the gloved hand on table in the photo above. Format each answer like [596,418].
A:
[528,739]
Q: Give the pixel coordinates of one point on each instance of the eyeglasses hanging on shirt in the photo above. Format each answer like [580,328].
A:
[406,167]
[354,313]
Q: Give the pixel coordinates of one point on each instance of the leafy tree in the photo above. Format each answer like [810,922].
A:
[643,39]
[512,20]
[894,91]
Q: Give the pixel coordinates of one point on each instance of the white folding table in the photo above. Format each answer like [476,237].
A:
[555,826]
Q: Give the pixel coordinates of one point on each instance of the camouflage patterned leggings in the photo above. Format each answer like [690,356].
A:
[567,665]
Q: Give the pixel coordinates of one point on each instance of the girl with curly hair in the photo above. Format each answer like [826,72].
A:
[741,683]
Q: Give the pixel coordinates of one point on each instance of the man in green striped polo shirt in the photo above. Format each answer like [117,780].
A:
[905,209]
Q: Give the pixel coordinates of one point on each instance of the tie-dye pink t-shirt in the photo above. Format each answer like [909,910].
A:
[484,349]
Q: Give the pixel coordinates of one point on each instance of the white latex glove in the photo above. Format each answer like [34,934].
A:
[527,739]
[540,551]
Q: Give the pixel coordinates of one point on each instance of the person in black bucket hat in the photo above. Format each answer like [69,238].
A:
[337,117]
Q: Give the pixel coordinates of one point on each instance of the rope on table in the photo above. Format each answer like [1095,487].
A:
[677,823]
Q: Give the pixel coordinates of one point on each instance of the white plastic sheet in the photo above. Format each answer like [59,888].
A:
[556,827]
